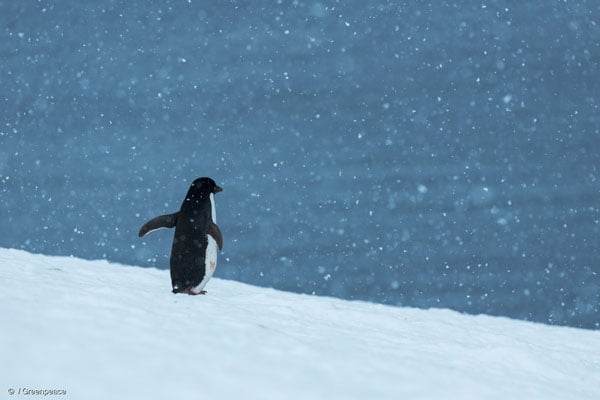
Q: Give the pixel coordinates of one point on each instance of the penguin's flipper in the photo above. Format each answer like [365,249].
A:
[162,221]
[215,232]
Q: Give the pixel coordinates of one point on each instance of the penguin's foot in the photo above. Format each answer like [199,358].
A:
[189,291]
[192,293]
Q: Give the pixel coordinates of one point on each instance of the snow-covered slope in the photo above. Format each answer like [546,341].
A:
[100,330]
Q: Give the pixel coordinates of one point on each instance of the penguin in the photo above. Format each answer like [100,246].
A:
[197,236]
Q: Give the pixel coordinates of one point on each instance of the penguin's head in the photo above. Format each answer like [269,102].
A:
[205,185]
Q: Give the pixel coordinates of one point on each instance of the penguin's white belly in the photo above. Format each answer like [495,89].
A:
[210,263]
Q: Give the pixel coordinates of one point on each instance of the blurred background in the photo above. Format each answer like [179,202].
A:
[417,154]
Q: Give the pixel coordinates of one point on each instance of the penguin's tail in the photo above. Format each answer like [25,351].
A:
[177,288]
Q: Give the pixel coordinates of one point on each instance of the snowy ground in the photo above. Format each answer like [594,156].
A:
[101,330]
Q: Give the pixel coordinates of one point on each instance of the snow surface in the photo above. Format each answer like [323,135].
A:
[101,330]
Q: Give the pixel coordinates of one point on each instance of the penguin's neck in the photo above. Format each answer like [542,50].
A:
[194,197]
[213,211]
[194,201]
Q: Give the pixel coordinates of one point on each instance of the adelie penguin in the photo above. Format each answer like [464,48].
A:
[197,236]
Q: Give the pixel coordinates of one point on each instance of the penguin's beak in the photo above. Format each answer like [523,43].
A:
[218,189]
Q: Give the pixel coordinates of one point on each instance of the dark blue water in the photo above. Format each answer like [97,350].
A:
[439,154]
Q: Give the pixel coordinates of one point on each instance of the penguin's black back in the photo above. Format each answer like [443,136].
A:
[190,242]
